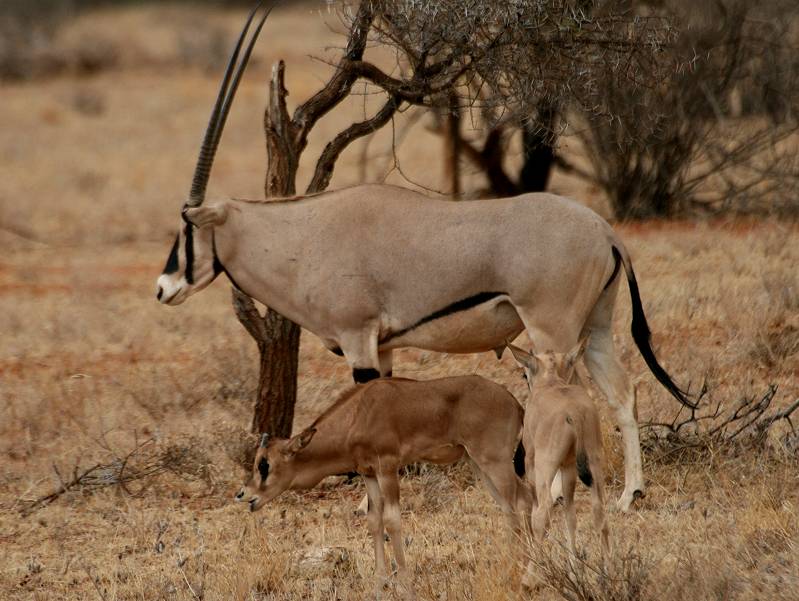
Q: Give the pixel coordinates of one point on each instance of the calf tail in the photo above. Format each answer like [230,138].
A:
[583,469]
[518,460]
[583,466]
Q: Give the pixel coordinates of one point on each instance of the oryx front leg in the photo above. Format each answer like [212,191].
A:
[612,380]
[360,350]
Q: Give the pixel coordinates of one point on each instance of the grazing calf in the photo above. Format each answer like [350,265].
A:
[378,427]
[561,432]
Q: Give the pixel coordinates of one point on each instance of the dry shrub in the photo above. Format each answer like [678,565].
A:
[713,427]
[775,338]
[685,145]
[133,471]
[626,576]
[238,444]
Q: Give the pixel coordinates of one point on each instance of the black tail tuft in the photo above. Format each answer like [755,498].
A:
[642,337]
[583,471]
[518,460]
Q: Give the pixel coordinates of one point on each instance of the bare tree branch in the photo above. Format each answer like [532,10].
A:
[327,160]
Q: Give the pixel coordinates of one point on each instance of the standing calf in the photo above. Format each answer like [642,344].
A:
[561,432]
[378,427]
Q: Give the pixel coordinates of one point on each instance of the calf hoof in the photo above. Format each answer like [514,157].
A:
[638,494]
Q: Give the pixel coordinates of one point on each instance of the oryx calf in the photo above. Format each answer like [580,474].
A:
[378,427]
[561,432]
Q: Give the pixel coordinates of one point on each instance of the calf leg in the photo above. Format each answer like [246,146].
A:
[504,486]
[598,509]
[389,487]
[375,522]
[569,476]
[545,470]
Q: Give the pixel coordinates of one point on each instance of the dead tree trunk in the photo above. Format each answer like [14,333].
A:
[278,338]
[452,148]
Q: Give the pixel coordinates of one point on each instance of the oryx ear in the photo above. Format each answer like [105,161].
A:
[206,215]
[524,358]
[300,441]
[574,355]
[264,440]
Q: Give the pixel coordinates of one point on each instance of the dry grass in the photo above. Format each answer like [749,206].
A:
[89,364]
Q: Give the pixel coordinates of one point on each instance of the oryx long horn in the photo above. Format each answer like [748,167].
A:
[216,123]
[264,439]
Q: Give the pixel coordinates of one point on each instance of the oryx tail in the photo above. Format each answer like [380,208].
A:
[641,333]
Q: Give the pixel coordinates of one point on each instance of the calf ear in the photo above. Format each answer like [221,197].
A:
[524,358]
[300,441]
[205,215]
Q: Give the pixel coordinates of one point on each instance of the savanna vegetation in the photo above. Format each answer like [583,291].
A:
[125,425]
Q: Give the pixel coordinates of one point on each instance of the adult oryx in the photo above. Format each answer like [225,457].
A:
[372,268]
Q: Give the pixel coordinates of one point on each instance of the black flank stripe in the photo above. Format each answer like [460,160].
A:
[189,254]
[616,266]
[172,262]
[461,305]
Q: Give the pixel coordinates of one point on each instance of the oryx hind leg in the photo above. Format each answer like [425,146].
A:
[612,380]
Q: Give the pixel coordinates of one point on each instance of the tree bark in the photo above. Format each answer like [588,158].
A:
[452,148]
[278,338]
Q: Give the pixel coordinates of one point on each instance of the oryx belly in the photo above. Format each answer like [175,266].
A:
[483,327]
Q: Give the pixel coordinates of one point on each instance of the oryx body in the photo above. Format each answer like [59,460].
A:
[373,268]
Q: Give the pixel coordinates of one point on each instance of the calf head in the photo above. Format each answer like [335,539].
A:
[549,367]
[274,468]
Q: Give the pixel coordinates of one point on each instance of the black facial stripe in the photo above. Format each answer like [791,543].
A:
[263,468]
[172,262]
[461,305]
[189,271]
[218,267]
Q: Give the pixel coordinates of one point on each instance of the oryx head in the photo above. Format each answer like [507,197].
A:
[549,366]
[273,469]
[192,262]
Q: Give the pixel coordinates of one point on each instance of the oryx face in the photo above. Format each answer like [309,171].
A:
[192,262]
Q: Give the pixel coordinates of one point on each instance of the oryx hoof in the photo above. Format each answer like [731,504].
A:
[625,502]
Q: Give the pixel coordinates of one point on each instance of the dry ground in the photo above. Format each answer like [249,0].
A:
[94,170]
